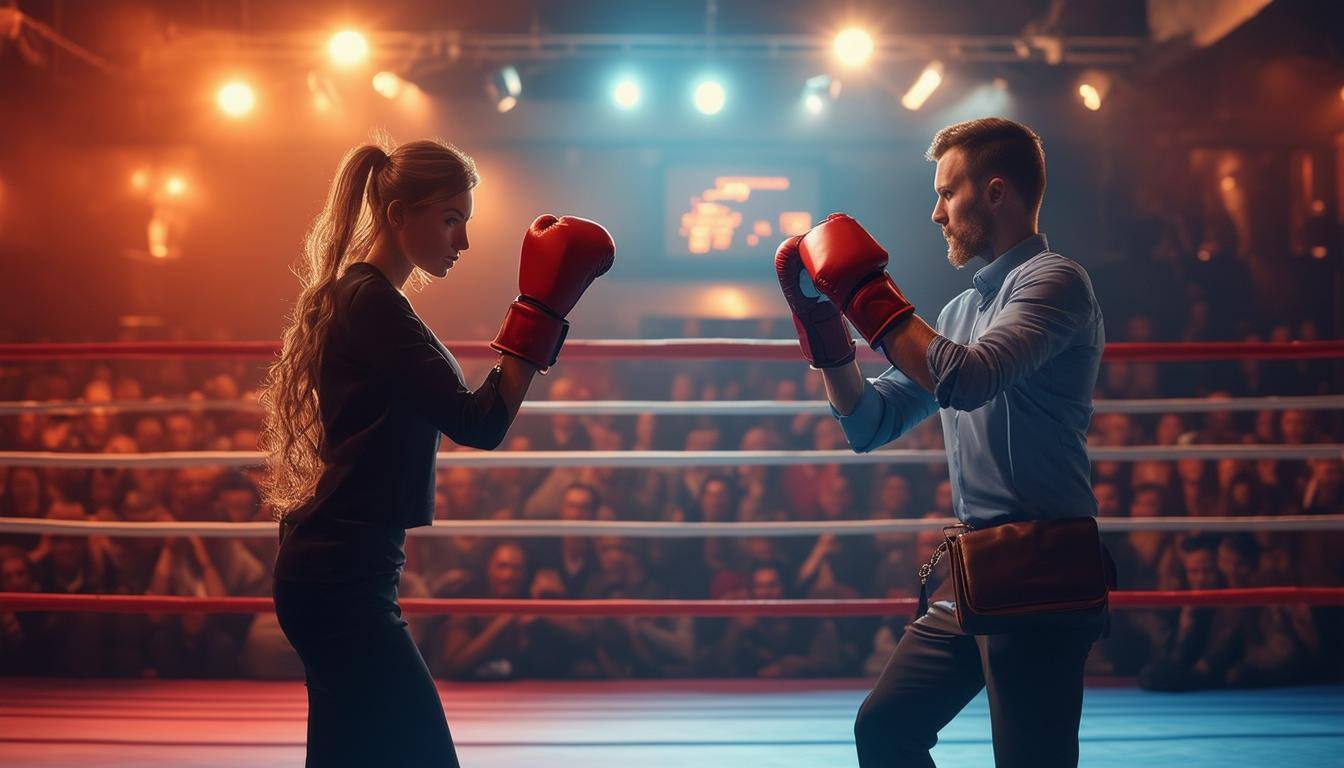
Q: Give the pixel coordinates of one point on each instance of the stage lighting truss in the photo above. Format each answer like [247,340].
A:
[420,53]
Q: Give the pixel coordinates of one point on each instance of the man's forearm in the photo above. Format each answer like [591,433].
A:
[844,387]
[907,348]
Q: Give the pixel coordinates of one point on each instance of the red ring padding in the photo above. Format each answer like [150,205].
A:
[578,349]
[40,601]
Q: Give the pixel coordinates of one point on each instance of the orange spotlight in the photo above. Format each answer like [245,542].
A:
[852,47]
[924,86]
[236,99]
[175,186]
[347,48]
[388,85]
[1092,89]
[140,180]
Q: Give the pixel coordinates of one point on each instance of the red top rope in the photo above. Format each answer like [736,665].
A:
[1228,598]
[674,349]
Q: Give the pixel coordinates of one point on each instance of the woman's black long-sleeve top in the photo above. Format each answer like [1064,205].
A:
[387,389]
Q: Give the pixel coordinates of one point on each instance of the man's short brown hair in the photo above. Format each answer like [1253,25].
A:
[995,146]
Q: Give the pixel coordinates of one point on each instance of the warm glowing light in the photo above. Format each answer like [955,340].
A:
[1090,95]
[347,48]
[794,223]
[1319,252]
[853,47]
[1227,183]
[505,86]
[924,86]
[175,186]
[236,99]
[157,234]
[140,180]
[814,103]
[388,85]
[710,97]
[626,93]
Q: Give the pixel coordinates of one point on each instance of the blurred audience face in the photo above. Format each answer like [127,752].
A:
[766,584]
[1219,421]
[149,434]
[238,505]
[716,501]
[682,387]
[1236,569]
[893,497]
[1108,499]
[16,576]
[1147,503]
[180,432]
[506,571]
[942,498]
[613,558]
[1169,429]
[836,497]
[190,497]
[1293,427]
[1201,569]
[578,504]
[828,435]
[1151,473]
[702,439]
[1190,470]
[25,492]
[68,553]
[464,493]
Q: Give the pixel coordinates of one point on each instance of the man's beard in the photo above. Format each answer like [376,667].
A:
[973,239]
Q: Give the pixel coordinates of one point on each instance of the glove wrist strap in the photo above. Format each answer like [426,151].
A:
[532,332]
[875,307]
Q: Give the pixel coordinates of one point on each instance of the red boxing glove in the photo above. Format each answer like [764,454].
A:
[822,332]
[560,259]
[848,265]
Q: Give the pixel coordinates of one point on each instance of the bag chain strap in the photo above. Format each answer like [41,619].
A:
[926,569]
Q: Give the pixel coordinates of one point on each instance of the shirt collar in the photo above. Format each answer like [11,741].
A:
[990,277]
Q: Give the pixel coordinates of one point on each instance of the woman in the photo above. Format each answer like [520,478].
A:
[354,411]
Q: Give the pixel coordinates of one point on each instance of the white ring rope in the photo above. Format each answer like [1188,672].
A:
[653,530]
[664,459]
[694,407]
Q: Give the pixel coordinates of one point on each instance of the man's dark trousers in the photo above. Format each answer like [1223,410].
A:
[1034,680]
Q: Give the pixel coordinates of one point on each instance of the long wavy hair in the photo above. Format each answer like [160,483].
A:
[355,215]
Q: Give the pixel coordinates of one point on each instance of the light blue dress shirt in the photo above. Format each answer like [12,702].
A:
[1014,366]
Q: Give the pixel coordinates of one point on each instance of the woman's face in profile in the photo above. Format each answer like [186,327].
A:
[433,236]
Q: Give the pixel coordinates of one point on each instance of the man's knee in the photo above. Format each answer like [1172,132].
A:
[890,726]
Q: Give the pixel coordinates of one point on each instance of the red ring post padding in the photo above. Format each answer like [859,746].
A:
[41,601]
[675,349]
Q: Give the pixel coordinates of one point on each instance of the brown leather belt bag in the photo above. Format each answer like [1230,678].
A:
[1011,577]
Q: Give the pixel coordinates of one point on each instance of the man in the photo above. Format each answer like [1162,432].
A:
[1010,367]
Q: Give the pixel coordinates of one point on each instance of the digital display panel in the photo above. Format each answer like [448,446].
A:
[737,213]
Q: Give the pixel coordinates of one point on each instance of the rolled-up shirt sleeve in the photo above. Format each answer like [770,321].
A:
[387,335]
[1040,318]
[890,406]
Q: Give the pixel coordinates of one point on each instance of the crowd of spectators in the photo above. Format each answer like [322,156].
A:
[1170,649]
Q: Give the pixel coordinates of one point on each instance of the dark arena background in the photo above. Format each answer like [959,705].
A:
[675,557]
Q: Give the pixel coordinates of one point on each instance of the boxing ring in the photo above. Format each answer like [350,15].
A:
[649,723]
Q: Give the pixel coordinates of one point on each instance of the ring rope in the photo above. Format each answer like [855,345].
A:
[664,459]
[693,408]
[651,529]
[39,601]
[658,349]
